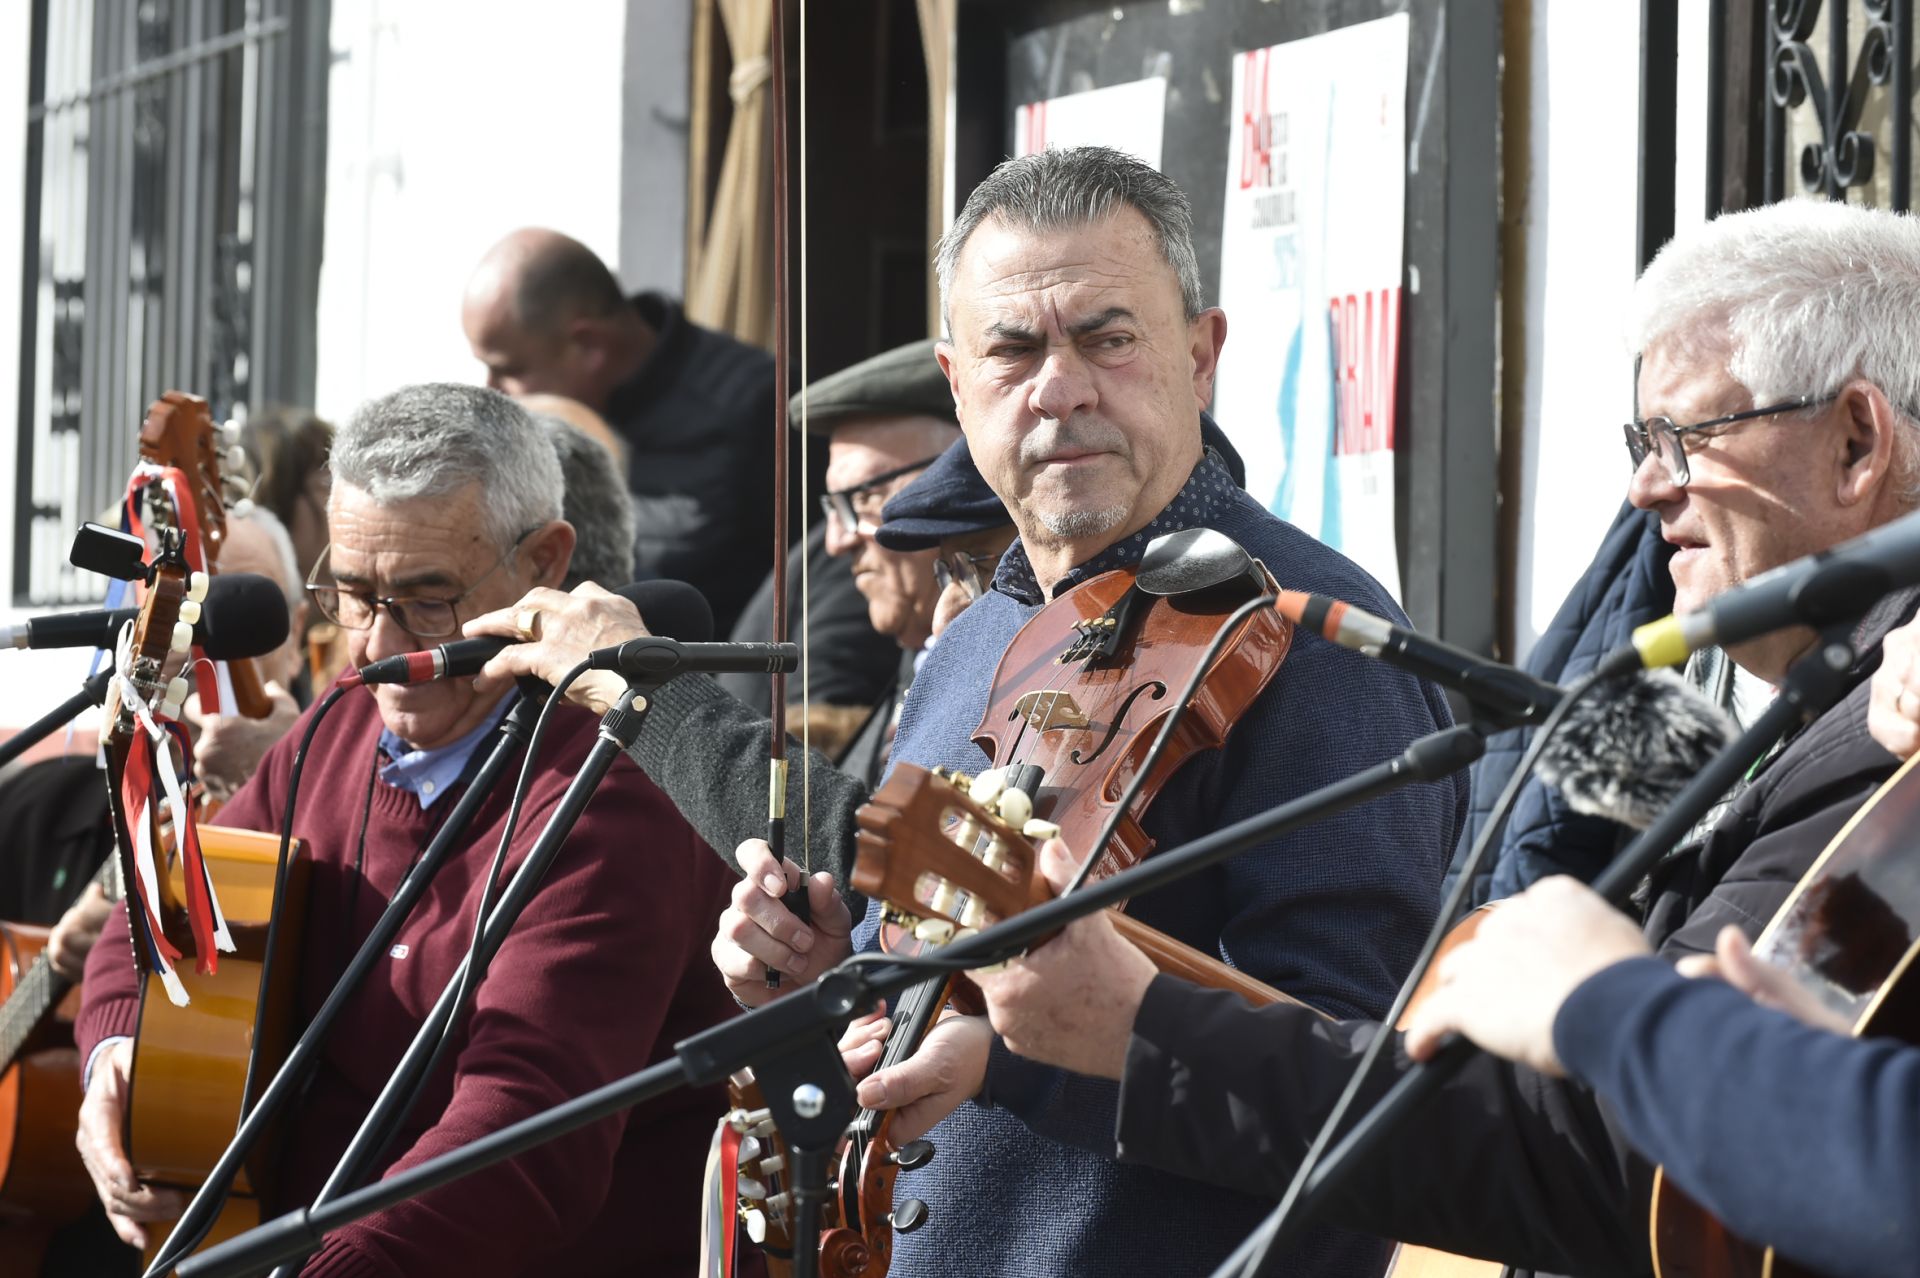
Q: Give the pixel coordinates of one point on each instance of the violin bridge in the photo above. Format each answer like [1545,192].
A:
[1045,711]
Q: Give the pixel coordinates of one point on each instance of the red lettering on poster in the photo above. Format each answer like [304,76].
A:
[1366,363]
[1256,125]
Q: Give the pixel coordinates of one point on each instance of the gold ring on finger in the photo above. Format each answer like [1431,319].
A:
[527,622]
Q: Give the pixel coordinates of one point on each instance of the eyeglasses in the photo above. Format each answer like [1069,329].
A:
[959,566]
[861,503]
[421,616]
[1660,435]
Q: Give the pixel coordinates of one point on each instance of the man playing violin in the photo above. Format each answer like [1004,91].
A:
[446,502]
[1080,362]
[1780,395]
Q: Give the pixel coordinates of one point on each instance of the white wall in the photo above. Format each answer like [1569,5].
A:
[450,123]
[1579,217]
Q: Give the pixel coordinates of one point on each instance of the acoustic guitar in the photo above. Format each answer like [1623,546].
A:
[944,864]
[1848,933]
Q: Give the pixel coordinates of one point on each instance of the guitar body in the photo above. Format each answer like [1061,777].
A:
[193,1065]
[1847,933]
[41,1177]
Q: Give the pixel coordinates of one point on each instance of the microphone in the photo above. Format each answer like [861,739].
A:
[656,659]
[1627,749]
[243,615]
[1816,590]
[1507,698]
[667,606]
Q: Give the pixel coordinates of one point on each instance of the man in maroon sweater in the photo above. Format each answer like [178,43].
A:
[446,504]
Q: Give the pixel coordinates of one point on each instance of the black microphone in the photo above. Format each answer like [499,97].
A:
[1816,590]
[1628,748]
[243,615]
[656,658]
[1507,698]
[667,606]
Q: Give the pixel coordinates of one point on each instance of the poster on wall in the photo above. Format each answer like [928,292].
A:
[1128,117]
[1310,269]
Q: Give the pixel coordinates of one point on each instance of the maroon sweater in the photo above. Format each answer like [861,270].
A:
[605,970]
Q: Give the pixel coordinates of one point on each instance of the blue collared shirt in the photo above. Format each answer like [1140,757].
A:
[427,774]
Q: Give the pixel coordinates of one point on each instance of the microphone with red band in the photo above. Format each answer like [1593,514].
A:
[667,607]
[1505,697]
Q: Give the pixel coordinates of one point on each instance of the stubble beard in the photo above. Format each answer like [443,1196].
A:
[1077,523]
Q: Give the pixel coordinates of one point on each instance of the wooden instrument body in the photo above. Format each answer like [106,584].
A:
[1848,934]
[193,1065]
[41,1176]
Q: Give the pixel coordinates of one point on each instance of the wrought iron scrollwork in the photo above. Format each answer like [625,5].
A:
[1843,155]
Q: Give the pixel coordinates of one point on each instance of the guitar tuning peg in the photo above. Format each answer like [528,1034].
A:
[197,584]
[177,690]
[772,1165]
[190,612]
[908,1216]
[750,1148]
[756,1222]
[236,458]
[748,1187]
[988,786]
[780,1204]
[1040,830]
[915,1153]
[182,636]
[934,931]
[1015,807]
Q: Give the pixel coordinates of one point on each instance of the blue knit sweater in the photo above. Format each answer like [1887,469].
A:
[1025,1179]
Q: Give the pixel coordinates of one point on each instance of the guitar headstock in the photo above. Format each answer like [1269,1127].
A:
[178,433]
[162,634]
[947,852]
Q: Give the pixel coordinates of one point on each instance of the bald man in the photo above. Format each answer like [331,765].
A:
[694,408]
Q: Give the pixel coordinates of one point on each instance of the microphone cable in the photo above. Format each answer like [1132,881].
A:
[1251,1256]
[176,1246]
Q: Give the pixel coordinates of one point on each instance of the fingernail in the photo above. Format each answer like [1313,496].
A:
[774,884]
[803,940]
[797,966]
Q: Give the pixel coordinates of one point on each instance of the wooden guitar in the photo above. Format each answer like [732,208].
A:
[945,864]
[1848,933]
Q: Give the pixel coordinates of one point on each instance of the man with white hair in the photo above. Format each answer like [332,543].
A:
[446,503]
[1778,388]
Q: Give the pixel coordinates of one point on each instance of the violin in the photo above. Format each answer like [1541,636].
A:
[1078,702]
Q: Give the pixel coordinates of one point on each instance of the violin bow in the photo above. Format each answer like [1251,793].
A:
[796,899]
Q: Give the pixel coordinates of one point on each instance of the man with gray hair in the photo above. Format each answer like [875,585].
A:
[1778,389]
[597,505]
[446,503]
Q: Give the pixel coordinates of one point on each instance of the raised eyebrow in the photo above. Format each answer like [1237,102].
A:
[1005,331]
[399,587]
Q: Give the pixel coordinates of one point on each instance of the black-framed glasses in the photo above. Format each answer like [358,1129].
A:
[422,616]
[861,502]
[1660,435]
[964,568]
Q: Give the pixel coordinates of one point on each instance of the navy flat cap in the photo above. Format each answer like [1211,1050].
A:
[947,499]
[903,382]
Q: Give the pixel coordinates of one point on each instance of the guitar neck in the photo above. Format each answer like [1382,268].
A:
[1178,959]
[36,994]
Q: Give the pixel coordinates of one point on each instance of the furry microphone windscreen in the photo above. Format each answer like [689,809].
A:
[1627,749]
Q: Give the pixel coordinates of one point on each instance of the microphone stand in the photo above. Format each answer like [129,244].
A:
[618,729]
[92,693]
[1813,684]
[207,1201]
[792,1042]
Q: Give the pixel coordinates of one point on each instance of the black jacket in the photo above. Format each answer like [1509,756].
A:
[1503,1162]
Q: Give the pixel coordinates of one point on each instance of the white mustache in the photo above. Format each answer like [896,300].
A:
[1052,437]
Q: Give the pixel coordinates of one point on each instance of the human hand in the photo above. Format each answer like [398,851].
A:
[758,931]
[73,936]
[1734,962]
[102,1118]
[949,1068]
[1893,709]
[864,1041]
[1504,986]
[1072,1001]
[228,747]
[556,631]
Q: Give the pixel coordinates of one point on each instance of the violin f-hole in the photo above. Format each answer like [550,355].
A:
[1154,687]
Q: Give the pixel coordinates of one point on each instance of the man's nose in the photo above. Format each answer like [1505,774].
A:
[1652,486]
[841,540]
[1062,387]
[386,638]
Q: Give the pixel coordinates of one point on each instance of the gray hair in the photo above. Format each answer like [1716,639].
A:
[1056,189]
[597,505]
[436,438]
[291,582]
[1798,297]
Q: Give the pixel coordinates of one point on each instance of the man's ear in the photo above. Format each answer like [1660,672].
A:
[1205,336]
[550,552]
[944,352]
[1869,428]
